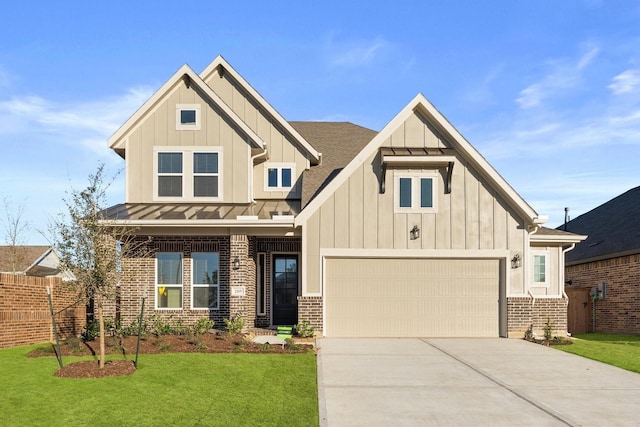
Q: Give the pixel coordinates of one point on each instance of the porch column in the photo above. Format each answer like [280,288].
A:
[242,298]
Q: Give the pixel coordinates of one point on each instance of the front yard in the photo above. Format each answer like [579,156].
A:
[192,389]
[622,351]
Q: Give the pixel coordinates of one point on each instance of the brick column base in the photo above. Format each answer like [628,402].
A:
[525,312]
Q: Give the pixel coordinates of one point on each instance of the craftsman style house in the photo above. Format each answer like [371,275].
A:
[403,232]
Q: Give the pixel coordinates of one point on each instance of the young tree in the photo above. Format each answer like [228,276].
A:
[90,245]
[15,228]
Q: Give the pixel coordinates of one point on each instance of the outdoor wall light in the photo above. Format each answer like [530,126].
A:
[236,263]
[516,261]
[414,233]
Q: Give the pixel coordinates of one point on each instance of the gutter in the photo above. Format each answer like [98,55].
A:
[251,164]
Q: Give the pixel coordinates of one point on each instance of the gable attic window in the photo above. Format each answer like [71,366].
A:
[415,192]
[188,117]
[279,176]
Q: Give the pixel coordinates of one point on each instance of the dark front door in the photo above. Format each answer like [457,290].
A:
[285,289]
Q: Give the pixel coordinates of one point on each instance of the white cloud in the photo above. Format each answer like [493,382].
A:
[564,76]
[355,54]
[89,123]
[626,82]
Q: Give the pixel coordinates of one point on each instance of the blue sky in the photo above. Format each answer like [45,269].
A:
[547,91]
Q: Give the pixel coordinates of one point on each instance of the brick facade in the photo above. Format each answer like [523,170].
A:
[24,310]
[310,308]
[139,275]
[619,312]
[523,312]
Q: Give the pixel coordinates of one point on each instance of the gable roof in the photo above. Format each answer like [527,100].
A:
[420,104]
[340,142]
[186,74]
[220,62]
[613,229]
[546,235]
[17,259]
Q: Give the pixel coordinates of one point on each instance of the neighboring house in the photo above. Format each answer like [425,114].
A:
[610,255]
[41,261]
[404,232]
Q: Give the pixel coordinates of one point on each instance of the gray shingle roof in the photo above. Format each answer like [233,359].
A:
[19,258]
[339,143]
[613,228]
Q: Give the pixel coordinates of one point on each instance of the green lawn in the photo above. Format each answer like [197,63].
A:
[169,389]
[622,351]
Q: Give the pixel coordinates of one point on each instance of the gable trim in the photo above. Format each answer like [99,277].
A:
[420,104]
[226,67]
[185,74]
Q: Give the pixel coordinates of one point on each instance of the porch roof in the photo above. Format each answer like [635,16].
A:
[261,210]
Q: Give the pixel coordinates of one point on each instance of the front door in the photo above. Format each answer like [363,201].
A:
[285,289]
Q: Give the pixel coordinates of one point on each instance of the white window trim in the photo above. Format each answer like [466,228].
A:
[188,126]
[187,173]
[171,285]
[261,285]
[415,192]
[198,285]
[279,167]
[547,258]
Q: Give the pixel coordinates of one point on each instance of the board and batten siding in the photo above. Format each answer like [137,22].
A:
[358,216]
[281,147]
[159,130]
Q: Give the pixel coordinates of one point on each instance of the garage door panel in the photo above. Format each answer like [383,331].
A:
[411,297]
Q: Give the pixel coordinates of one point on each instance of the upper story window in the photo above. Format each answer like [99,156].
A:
[415,192]
[205,174]
[279,176]
[188,173]
[540,268]
[169,174]
[188,117]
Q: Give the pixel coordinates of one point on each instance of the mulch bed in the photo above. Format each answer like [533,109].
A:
[126,347]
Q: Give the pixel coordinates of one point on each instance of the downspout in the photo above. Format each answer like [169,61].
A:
[537,224]
[251,160]
[564,253]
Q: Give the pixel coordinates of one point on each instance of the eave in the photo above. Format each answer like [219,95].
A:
[185,75]
[223,66]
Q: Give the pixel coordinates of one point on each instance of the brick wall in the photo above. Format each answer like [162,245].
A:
[619,313]
[522,312]
[310,308]
[139,275]
[24,310]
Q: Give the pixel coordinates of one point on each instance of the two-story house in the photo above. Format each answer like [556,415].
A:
[404,232]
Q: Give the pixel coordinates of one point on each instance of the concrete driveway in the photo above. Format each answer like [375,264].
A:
[475,382]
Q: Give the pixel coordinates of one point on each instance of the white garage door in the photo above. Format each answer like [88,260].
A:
[373,297]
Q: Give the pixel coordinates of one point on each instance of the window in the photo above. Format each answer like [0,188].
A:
[188,173]
[169,280]
[205,277]
[170,174]
[188,117]
[205,174]
[414,192]
[279,176]
[540,268]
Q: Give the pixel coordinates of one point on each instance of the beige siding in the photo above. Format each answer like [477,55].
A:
[159,130]
[281,147]
[472,217]
[368,297]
